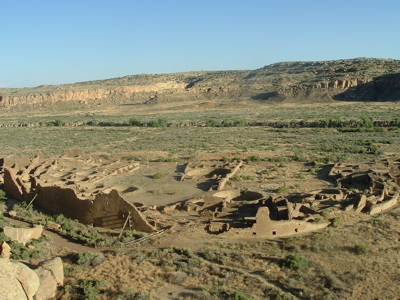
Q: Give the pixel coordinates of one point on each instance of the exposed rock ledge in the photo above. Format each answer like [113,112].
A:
[122,92]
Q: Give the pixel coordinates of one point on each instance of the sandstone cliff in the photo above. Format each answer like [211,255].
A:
[360,79]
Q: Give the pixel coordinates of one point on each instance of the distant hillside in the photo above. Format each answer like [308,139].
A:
[360,79]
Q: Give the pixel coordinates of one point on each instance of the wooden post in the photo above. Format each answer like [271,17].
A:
[128,219]
[33,199]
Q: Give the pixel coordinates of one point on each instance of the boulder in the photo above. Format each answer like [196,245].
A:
[17,281]
[55,266]
[5,250]
[10,287]
[23,235]
[12,214]
[52,225]
[48,285]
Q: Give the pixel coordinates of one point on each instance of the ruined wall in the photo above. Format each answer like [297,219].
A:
[70,186]
[113,204]
[265,227]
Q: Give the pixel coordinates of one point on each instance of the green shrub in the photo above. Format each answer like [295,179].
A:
[135,122]
[283,189]
[325,213]
[59,122]
[361,249]
[90,289]
[265,172]
[89,258]
[131,158]
[239,295]
[67,224]
[242,177]
[253,158]
[168,159]
[159,175]
[335,222]
[131,294]
[295,262]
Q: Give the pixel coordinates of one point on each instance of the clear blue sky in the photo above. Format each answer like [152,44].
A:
[60,41]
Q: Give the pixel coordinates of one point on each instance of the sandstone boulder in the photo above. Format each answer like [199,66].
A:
[17,281]
[52,225]
[48,285]
[12,214]
[5,250]
[23,235]
[10,287]
[55,266]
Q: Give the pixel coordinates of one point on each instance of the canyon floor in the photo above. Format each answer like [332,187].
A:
[356,257]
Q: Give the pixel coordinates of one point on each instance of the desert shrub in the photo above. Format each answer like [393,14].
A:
[379,223]
[89,258]
[253,158]
[265,172]
[160,122]
[168,159]
[213,123]
[3,237]
[325,213]
[360,249]
[295,262]
[59,122]
[3,195]
[242,177]
[299,155]
[335,222]
[314,170]
[67,224]
[159,175]
[90,289]
[91,240]
[239,295]
[131,294]
[131,158]
[21,252]
[3,221]
[23,206]
[301,175]
[135,122]
[181,251]
[283,189]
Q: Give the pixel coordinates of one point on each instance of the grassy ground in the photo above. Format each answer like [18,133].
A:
[358,258]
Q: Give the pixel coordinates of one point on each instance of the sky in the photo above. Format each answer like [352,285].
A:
[59,41]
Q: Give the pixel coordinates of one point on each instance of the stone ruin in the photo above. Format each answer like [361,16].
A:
[73,185]
[370,187]
[220,173]
[366,188]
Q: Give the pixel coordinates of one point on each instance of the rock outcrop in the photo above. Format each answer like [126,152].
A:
[5,250]
[360,79]
[117,93]
[17,281]
[21,282]
[51,275]
[23,235]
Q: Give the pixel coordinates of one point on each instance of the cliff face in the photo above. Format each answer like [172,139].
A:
[122,92]
[359,79]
